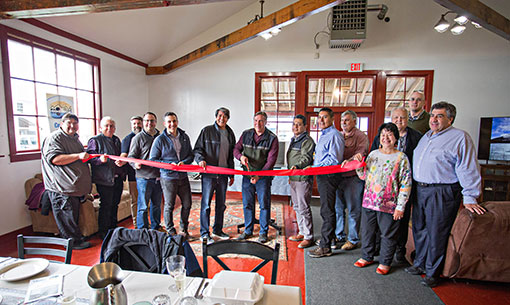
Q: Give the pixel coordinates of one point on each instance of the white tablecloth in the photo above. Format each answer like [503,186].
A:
[141,286]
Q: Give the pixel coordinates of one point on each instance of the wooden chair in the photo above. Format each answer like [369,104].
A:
[45,244]
[245,247]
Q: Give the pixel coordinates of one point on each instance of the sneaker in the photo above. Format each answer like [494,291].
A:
[161,229]
[208,238]
[335,243]
[320,252]
[305,243]
[185,234]
[430,281]
[349,246]
[244,236]
[221,235]
[263,238]
[298,237]
[81,245]
[414,270]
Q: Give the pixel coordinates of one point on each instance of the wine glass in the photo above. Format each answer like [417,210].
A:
[175,265]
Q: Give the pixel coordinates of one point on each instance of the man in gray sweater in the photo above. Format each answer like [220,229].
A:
[66,177]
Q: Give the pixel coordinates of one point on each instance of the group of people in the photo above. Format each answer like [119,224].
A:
[406,165]
[417,160]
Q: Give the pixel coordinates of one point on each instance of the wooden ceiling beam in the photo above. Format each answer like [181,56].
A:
[480,13]
[281,18]
[16,9]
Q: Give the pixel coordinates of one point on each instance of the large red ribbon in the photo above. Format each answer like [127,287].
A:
[322,170]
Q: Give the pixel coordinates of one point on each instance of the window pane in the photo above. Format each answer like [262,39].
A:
[84,75]
[287,88]
[86,130]
[348,92]
[85,104]
[315,89]
[268,88]
[272,122]
[332,92]
[45,66]
[66,73]
[395,88]
[42,92]
[362,124]
[45,128]
[20,60]
[23,97]
[26,133]
[364,92]
[414,84]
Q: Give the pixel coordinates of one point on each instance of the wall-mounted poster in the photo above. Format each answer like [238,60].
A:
[58,105]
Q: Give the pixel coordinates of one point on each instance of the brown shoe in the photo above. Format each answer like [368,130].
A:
[298,237]
[305,243]
[349,246]
[320,252]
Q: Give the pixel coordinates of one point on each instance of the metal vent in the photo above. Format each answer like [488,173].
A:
[348,28]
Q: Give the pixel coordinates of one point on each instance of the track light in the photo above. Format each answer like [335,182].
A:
[442,25]
[476,25]
[460,19]
[457,29]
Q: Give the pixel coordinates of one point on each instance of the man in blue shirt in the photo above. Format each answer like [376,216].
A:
[446,171]
[329,151]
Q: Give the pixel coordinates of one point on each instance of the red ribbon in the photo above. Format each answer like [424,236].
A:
[321,170]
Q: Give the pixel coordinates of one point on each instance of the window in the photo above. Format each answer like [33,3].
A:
[399,90]
[340,92]
[278,100]
[42,82]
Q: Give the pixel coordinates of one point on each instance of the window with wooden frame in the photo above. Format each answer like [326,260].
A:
[276,95]
[43,81]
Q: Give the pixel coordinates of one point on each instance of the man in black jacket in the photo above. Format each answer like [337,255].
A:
[108,175]
[407,142]
[215,146]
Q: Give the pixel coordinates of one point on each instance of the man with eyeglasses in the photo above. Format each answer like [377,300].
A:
[418,117]
[147,178]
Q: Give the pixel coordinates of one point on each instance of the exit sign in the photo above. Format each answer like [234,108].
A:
[356,67]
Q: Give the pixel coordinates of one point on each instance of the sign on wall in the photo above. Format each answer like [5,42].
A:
[58,105]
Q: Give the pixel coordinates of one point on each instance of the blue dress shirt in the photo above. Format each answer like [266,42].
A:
[448,157]
[330,147]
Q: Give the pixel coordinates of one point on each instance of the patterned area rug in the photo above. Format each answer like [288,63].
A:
[233,217]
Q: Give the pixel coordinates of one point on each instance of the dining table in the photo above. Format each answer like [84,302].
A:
[140,286]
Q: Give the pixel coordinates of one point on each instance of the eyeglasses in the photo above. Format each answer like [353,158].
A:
[415,99]
[150,121]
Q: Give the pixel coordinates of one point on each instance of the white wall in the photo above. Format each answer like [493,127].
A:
[124,93]
[471,70]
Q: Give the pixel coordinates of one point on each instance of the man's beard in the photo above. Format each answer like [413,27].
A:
[137,129]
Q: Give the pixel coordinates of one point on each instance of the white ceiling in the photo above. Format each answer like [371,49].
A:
[147,34]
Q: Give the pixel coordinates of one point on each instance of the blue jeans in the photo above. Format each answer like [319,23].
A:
[263,190]
[349,195]
[149,190]
[210,185]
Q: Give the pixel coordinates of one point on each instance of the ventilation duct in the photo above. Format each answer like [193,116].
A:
[348,27]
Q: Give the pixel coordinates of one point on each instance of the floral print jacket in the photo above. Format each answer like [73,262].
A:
[388,181]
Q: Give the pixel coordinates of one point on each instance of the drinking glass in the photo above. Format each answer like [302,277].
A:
[175,265]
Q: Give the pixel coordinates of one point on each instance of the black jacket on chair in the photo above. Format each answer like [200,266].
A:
[146,250]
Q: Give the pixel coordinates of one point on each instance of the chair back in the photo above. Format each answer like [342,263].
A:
[45,246]
[246,247]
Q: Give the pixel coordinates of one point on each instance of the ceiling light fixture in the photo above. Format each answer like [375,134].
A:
[476,25]
[442,25]
[460,19]
[458,29]
[265,35]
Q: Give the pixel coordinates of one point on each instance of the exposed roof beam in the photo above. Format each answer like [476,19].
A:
[480,13]
[283,17]
[10,9]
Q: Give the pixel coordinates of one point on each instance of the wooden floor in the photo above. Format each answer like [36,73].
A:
[291,272]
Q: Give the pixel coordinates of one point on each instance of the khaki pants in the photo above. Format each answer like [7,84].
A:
[133,191]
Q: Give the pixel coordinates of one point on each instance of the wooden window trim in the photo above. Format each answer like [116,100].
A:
[7,33]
